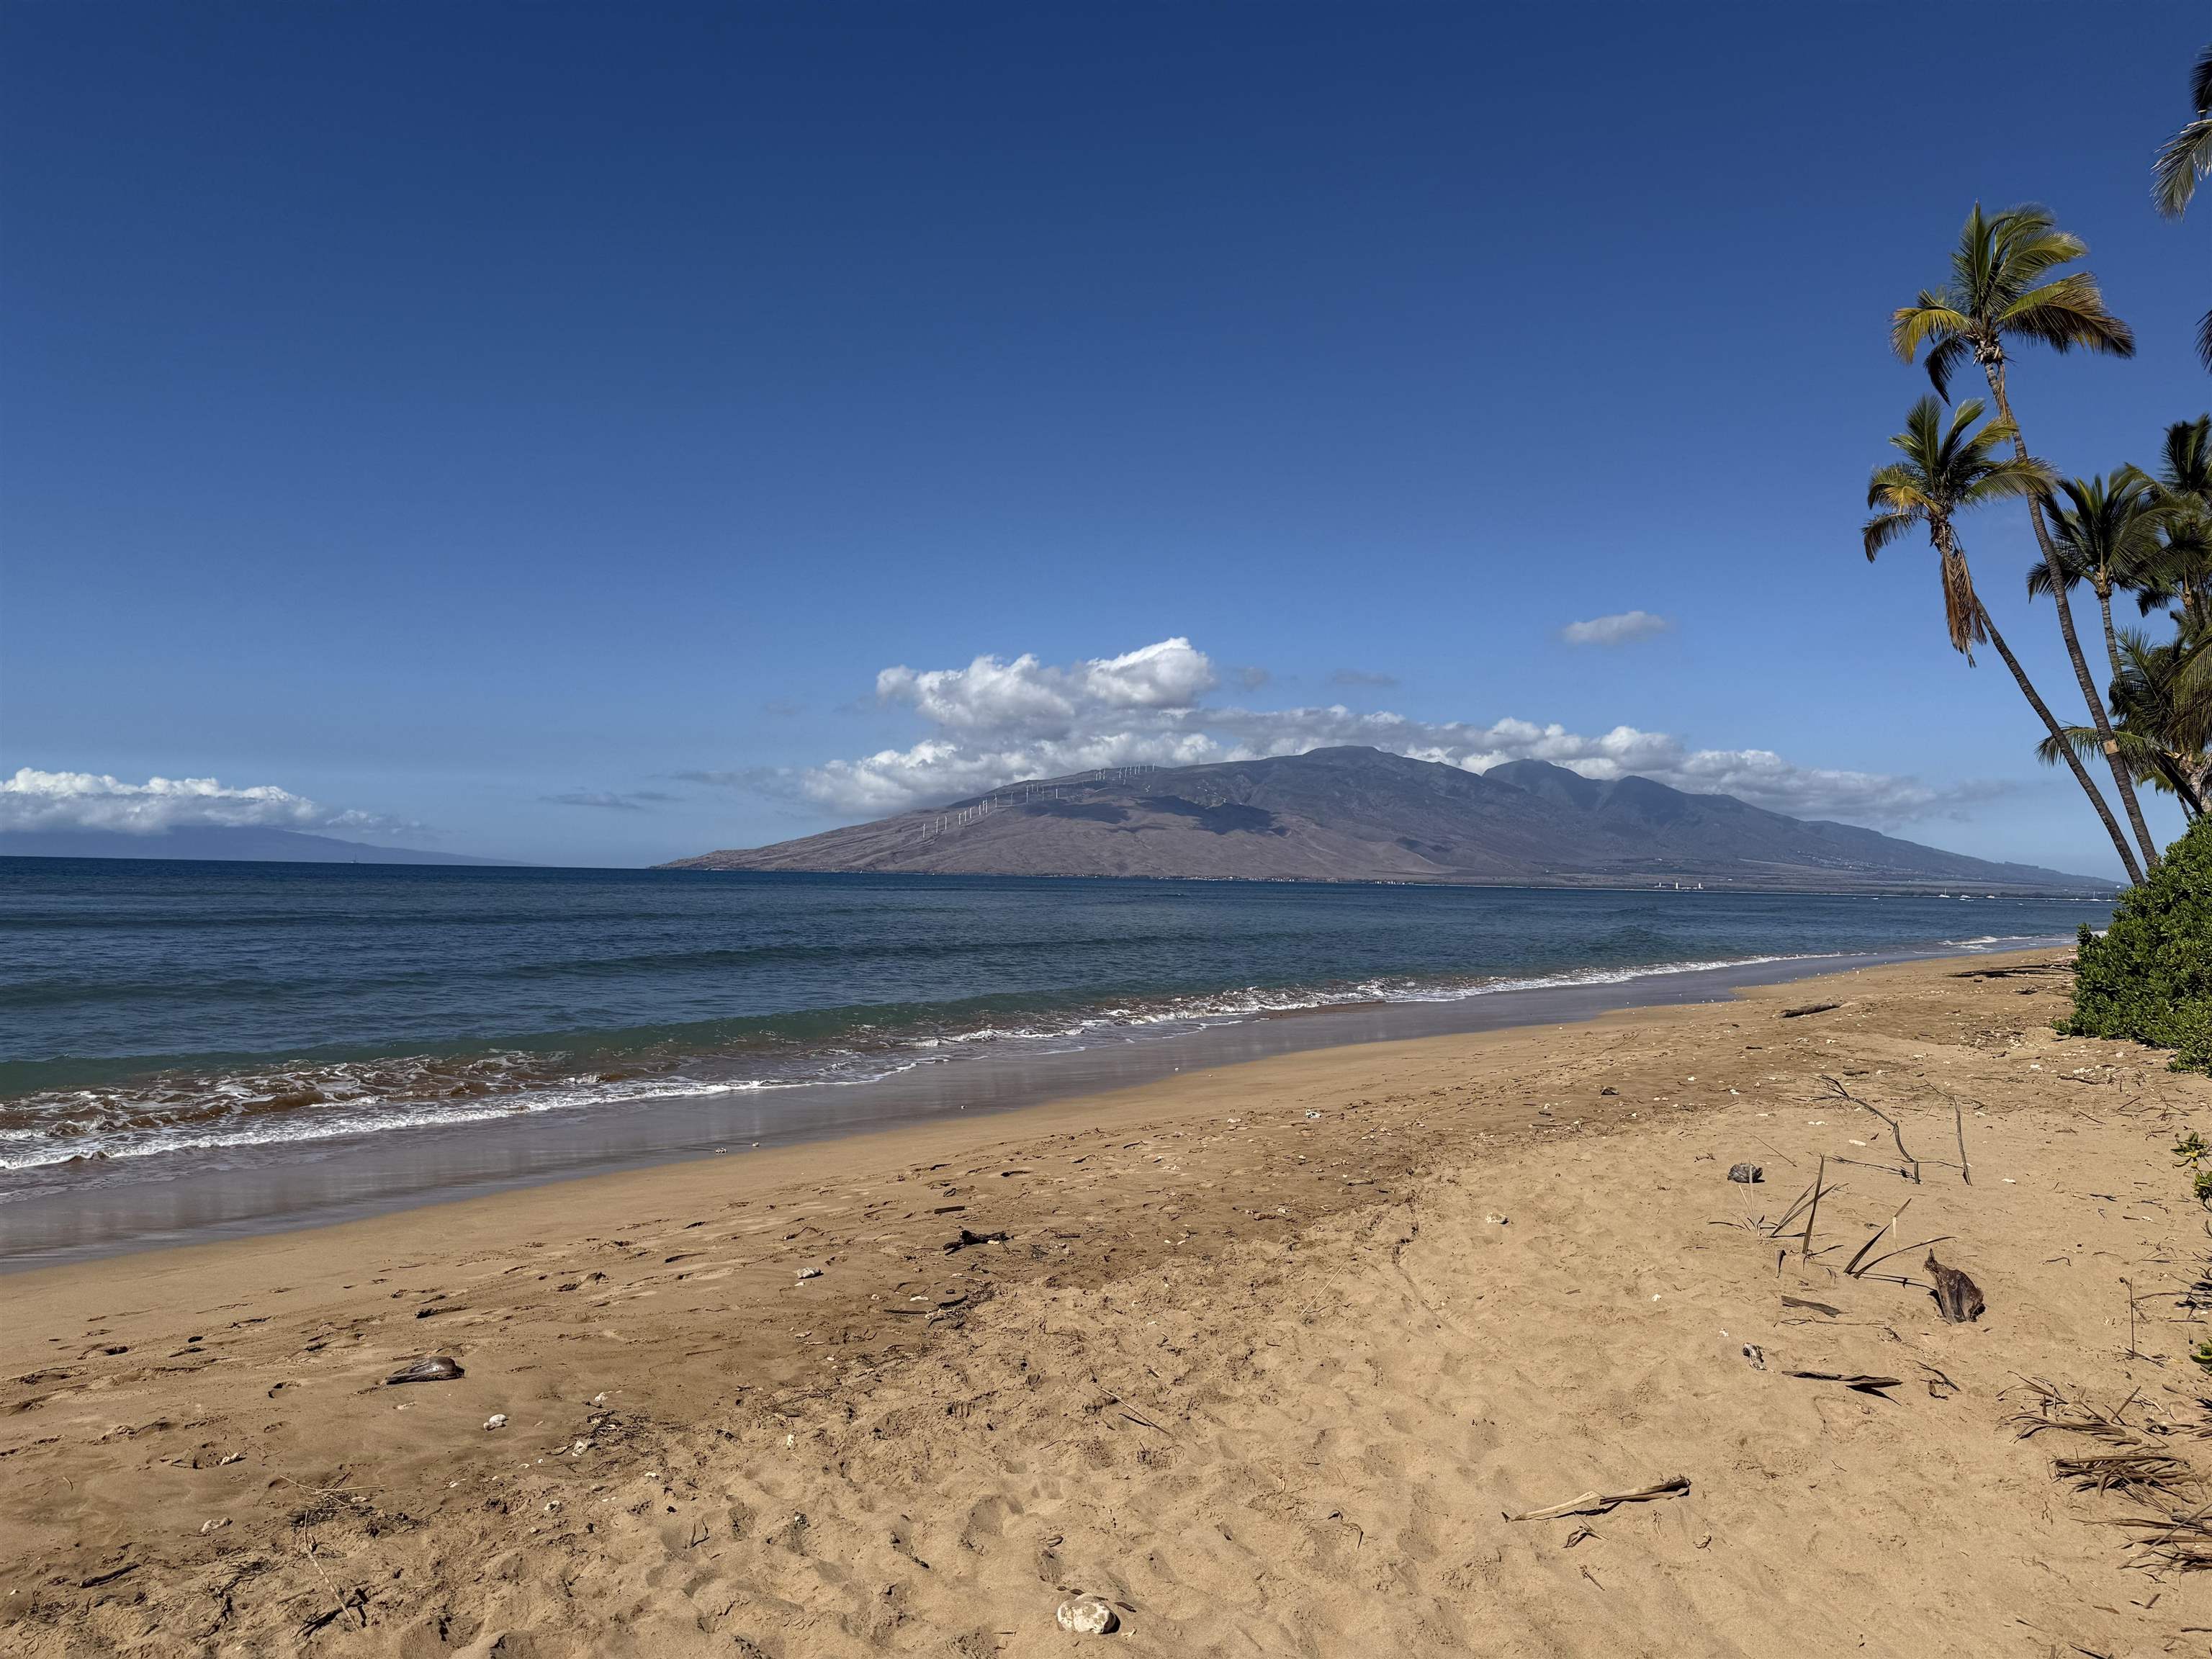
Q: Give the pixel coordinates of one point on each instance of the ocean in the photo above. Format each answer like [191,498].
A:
[214,1025]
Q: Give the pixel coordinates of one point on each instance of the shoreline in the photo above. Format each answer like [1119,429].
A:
[325,1184]
[1261,1353]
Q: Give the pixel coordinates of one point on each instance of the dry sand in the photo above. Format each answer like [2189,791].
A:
[1266,1380]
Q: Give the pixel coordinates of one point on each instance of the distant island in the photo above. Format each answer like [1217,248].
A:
[226,842]
[1359,814]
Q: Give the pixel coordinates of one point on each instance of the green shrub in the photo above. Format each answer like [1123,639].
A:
[2149,978]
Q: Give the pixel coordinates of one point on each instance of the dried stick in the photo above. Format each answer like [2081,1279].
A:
[1805,1252]
[1959,1123]
[1902,1250]
[1896,1130]
[1879,1233]
[1597,1503]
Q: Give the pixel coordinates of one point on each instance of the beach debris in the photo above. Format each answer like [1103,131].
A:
[1599,1503]
[968,1239]
[1856,1380]
[1814,1306]
[496,1420]
[438,1369]
[1499,1220]
[1957,1298]
[1311,1114]
[1803,1009]
[1746,1174]
[1756,1355]
[1087,1615]
[1608,1089]
[216,1525]
[809,1273]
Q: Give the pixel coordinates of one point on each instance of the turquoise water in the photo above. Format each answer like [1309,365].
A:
[169,1011]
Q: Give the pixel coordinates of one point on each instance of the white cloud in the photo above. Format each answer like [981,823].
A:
[1616,629]
[998,721]
[994,695]
[32,799]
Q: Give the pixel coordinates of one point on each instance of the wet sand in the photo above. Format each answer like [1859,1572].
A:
[1266,1356]
[139,1203]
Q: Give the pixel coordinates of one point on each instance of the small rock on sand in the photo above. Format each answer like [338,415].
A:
[1746,1173]
[809,1273]
[1087,1615]
[1499,1220]
[496,1420]
[437,1370]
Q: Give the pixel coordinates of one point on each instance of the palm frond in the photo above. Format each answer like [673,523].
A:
[1930,321]
[1962,608]
[1884,528]
[2081,740]
[2067,312]
[2183,161]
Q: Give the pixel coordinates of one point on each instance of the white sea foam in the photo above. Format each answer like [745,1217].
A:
[97,1127]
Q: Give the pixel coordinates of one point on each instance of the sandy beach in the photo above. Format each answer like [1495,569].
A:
[1263,1356]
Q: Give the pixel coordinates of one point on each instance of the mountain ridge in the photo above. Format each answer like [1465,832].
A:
[1359,814]
[238,843]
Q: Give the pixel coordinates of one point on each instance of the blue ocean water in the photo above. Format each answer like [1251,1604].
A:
[159,1011]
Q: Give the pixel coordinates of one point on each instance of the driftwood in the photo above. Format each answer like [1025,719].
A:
[1816,1306]
[1957,1298]
[1597,1503]
[1810,1008]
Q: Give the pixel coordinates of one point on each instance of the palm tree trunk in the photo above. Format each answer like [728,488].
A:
[1993,368]
[2073,761]
[2111,639]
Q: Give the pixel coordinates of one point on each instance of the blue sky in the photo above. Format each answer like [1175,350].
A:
[540,425]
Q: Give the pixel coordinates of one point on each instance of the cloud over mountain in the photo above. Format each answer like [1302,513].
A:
[997,719]
[36,800]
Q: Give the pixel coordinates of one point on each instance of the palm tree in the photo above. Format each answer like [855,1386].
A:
[1946,468]
[2003,286]
[2186,158]
[2162,729]
[2106,532]
[2180,576]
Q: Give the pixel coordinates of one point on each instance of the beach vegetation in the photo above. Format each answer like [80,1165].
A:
[2148,978]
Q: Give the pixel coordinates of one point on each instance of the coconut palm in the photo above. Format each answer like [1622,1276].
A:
[2185,159]
[1947,467]
[2106,532]
[2162,728]
[2006,285]
[2180,577]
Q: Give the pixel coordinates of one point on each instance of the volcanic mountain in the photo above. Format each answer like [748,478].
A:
[1357,814]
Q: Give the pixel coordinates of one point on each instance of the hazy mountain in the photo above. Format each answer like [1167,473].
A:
[1362,815]
[287,846]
